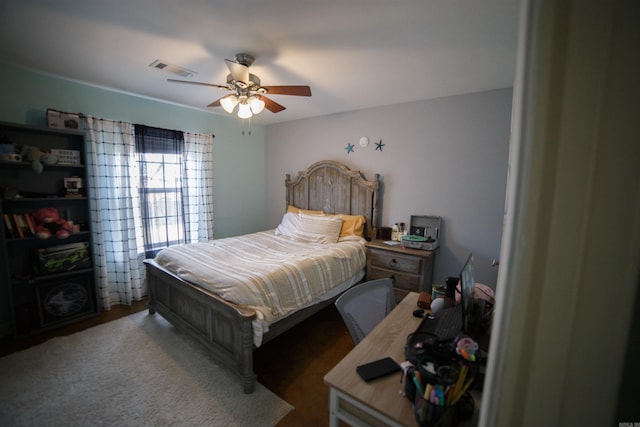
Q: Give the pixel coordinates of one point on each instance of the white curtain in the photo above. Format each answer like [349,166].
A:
[113,196]
[117,236]
[198,192]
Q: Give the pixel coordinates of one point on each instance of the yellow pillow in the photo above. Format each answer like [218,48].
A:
[294,209]
[352,225]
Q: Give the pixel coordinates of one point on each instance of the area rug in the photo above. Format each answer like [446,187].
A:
[134,371]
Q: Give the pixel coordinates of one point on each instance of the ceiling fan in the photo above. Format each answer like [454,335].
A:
[247,91]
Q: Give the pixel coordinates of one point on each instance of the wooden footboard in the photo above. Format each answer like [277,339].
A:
[222,327]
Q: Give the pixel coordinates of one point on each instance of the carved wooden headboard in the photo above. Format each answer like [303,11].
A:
[334,188]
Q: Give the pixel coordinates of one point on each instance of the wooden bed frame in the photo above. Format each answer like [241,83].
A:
[224,328]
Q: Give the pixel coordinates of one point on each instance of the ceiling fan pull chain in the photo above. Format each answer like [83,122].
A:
[244,121]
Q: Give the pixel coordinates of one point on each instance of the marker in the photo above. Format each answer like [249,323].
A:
[418,385]
[427,392]
[440,394]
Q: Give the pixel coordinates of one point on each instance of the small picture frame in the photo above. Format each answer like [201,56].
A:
[73,185]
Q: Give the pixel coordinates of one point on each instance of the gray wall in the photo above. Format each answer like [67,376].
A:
[445,157]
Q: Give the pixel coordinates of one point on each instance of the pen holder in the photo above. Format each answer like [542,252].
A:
[428,414]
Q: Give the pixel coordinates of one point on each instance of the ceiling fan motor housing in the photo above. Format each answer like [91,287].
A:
[244,59]
[254,82]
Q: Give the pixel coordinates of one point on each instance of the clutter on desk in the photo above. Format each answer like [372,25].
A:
[438,291]
[424,300]
[438,376]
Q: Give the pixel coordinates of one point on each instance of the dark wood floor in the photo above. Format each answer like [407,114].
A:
[292,365]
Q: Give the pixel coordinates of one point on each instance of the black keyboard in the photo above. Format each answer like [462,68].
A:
[446,324]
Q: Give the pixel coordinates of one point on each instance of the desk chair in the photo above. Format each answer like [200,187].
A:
[364,306]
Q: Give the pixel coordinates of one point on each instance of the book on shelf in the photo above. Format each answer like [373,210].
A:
[16,221]
[20,226]
[31,223]
[26,228]
[10,227]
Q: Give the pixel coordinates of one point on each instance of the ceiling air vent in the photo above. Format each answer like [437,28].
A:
[173,69]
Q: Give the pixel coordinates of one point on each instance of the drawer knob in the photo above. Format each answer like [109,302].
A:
[393,264]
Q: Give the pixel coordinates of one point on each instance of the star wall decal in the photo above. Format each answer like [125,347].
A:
[379,145]
[349,148]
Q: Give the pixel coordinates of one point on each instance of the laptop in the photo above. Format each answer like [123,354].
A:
[453,321]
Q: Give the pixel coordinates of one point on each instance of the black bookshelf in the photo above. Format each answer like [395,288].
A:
[48,279]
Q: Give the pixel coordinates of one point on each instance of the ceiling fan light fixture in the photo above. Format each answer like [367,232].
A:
[256,104]
[229,102]
[244,111]
[246,89]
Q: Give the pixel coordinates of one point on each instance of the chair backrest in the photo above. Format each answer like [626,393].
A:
[364,306]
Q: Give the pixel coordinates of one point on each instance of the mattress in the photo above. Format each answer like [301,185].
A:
[273,274]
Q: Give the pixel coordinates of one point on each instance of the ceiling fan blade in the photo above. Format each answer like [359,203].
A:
[239,72]
[215,103]
[272,105]
[288,90]
[197,83]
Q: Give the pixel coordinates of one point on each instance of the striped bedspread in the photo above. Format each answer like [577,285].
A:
[273,274]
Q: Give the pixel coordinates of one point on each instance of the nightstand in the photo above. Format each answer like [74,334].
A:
[411,270]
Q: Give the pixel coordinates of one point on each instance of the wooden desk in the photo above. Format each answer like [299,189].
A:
[381,401]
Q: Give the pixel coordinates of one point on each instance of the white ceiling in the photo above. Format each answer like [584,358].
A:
[353,53]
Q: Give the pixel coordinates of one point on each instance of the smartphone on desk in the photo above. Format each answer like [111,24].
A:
[378,368]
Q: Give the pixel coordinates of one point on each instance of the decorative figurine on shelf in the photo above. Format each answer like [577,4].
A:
[38,157]
[49,223]
[44,159]
[8,152]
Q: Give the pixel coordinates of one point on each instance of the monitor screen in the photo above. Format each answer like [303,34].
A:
[467,285]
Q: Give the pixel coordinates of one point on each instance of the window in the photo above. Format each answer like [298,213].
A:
[120,169]
[160,161]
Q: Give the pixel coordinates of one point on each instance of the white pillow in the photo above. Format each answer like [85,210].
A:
[289,224]
[318,229]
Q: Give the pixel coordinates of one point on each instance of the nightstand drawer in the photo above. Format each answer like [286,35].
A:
[394,261]
[400,280]
[411,270]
